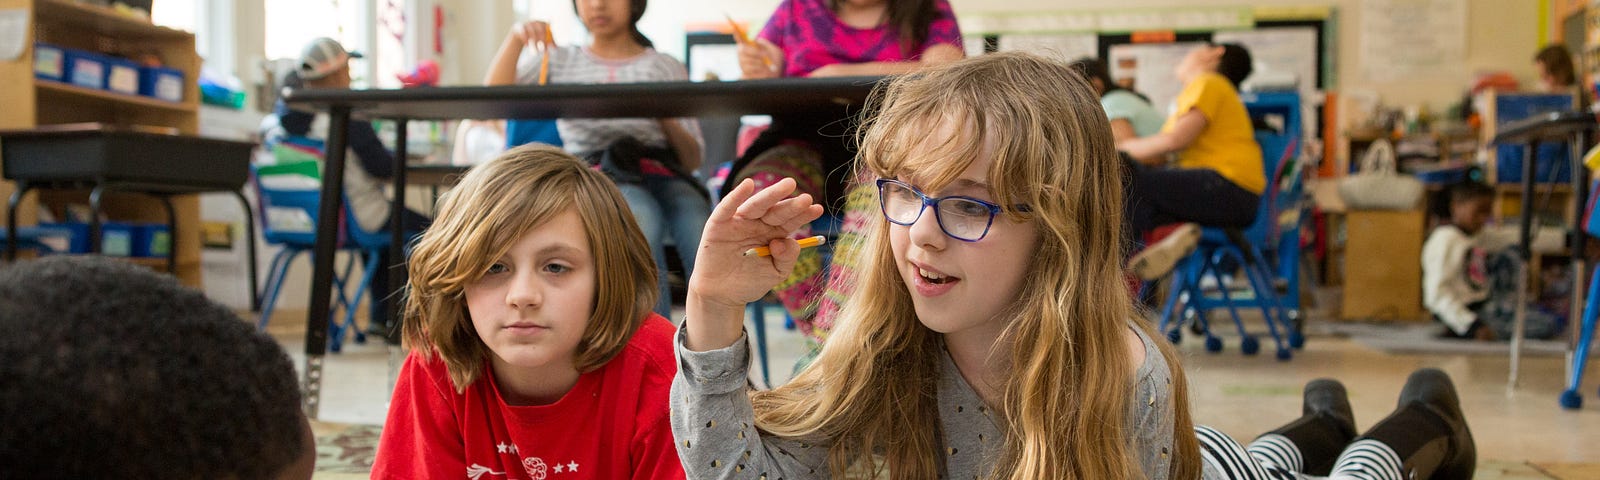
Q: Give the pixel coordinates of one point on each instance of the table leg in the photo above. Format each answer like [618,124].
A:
[172,234]
[1577,238]
[11,220]
[1525,239]
[322,255]
[397,230]
[250,245]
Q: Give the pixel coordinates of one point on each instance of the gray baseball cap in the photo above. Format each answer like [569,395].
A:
[323,56]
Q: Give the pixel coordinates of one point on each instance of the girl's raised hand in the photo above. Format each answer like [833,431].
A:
[725,280]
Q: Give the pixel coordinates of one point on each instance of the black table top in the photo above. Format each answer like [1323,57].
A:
[1548,127]
[616,100]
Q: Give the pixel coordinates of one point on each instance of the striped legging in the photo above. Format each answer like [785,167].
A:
[1274,457]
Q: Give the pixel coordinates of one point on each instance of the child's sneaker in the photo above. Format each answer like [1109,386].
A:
[1156,260]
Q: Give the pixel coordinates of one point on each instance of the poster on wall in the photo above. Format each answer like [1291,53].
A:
[1064,47]
[1407,38]
[1283,57]
[1148,69]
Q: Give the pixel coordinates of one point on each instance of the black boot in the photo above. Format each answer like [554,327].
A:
[1325,426]
[1428,431]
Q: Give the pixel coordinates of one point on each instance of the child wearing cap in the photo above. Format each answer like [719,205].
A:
[324,63]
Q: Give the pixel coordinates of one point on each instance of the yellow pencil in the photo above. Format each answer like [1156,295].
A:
[807,242]
[740,37]
[544,58]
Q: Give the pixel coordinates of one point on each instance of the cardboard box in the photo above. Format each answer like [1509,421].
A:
[1383,265]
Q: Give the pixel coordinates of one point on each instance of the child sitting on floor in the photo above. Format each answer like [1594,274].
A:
[1469,278]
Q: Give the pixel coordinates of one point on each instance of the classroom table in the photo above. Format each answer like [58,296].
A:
[1573,129]
[843,97]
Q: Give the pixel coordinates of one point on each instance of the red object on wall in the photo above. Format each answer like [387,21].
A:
[438,28]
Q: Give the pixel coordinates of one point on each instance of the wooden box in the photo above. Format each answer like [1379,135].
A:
[1383,265]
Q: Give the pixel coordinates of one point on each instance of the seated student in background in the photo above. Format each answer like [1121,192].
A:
[830,38]
[1219,176]
[368,164]
[1469,276]
[651,160]
[1130,112]
[533,348]
[1554,64]
[114,371]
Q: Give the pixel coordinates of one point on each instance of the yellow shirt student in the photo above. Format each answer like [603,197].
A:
[1228,144]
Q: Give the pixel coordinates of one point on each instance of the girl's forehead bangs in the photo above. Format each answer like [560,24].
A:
[927,143]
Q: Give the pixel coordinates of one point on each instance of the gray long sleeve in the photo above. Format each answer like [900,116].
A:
[714,426]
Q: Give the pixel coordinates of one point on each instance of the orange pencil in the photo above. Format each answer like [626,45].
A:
[544,58]
[740,37]
[807,242]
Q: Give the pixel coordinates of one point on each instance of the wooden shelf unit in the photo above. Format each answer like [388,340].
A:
[30,102]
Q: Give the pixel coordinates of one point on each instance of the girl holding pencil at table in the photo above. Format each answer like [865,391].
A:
[823,38]
[533,350]
[651,160]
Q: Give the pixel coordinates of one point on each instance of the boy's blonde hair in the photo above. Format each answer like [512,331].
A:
[1065,406]
[497,203]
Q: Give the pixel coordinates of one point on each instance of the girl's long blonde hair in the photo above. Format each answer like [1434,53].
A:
[1065,408]
[497,203]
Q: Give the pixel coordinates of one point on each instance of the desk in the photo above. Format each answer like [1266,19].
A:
[109,158]
[839,96]
[1572,128]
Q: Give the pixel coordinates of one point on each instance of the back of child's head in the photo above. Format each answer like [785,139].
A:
[1235,63]
[1458,193]
[497,203]
[112,371]
[1051,149]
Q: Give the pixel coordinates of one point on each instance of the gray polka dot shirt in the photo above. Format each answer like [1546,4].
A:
[713,423]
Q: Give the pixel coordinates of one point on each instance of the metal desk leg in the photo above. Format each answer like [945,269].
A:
[1525,253]
[172,234]
[94,218]
[11,220]
[1577,238]
[322,256]
[250,245]
[397,232]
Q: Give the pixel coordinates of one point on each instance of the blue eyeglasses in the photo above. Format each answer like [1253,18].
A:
[962,218]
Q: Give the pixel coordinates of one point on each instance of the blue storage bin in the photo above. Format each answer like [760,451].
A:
[151,240]
[85,69]
[77,236]
[49,62]
[1555,164]
[122,75]
[116,238]
[162,83]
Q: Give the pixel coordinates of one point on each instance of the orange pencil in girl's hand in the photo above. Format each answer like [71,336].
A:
[807,242]
[740,37]
[544,58]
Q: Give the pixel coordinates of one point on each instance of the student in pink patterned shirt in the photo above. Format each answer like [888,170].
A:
[830,38]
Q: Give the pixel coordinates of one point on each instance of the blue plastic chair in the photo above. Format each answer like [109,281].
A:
[1267,251]
[288,218]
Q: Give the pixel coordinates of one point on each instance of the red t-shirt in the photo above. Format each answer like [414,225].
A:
[612,424]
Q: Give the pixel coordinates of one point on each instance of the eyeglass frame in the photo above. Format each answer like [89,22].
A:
[933,202]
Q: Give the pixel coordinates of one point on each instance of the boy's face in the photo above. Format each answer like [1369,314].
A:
[1471,214]
[531,307]
[960,288]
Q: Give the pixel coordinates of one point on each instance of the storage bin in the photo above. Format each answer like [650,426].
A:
[162,83]
[122,76]
[85,69]
[151,240]
[49,62]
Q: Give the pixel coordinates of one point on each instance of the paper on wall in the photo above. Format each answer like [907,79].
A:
[1408,38]
[13,33]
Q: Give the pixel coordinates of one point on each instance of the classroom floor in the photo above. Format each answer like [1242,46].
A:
[1520,434]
